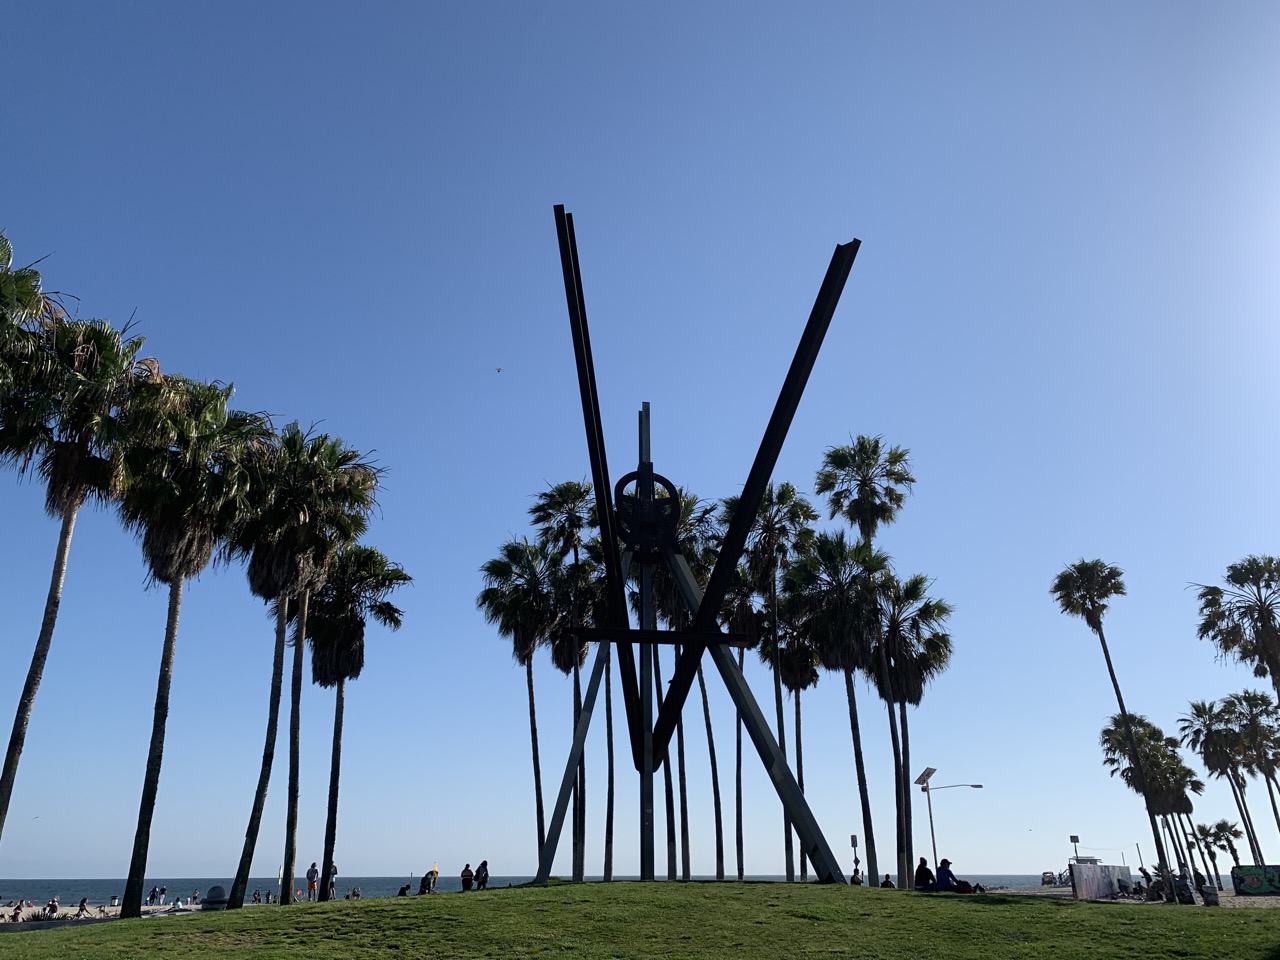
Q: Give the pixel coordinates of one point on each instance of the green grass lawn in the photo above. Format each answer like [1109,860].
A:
[730,920]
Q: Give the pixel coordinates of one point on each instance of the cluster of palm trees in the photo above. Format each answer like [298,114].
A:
[1237,739]
[194,481]
[808,601]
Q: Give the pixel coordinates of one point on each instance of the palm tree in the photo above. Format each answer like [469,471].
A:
[1242,619]
[782,527]
[64,415]
[21,301]
[354,591]
[1207,842]
[188,489]
[912,648]
[519,598]
[1225,834]
[563,512]
[829,593]
[1208,730]
[867,485]
[1254,716]
[317,496]
[1082,590]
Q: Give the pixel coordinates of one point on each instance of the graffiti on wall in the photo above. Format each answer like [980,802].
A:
[1256,881]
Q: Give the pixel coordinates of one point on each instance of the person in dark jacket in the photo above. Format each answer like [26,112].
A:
[924,876]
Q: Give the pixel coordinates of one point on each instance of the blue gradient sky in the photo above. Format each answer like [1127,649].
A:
[1064,306]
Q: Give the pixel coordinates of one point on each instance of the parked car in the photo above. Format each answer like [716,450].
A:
[1048,879]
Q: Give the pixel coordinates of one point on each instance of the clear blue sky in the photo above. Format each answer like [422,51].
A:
[1064,306]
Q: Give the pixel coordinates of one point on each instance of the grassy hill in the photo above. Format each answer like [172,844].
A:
[663,920]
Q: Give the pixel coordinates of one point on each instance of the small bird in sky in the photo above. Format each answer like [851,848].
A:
[499,369]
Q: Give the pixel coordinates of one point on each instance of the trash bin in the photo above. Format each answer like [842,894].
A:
[1210,894]
[115,901]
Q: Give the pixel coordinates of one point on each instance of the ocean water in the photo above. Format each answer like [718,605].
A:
[99,892]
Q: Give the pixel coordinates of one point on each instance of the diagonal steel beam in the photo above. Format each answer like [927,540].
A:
[735,539]
[614,585]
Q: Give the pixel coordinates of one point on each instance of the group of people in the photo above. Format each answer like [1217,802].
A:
[313,881]
[50,911]
[480,876]
[925,880]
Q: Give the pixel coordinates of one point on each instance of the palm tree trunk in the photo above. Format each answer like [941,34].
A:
[1198,844]
[579,790]
[788,850]
[1275,812]
[1238,795]
[910,857]
[537,767]
[899,786]
[335,773]
[1213,858]
[804,860]
[1250,830]
[288,877]
[131,905]
[669,796]
[607,653]
[715,776]
[1136,758]
[27,701]
[869,836]
[737,776]
[898,790]
[241,882]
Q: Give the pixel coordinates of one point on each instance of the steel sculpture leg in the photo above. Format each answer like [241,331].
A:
[548,852]
[647,622]
[825,865]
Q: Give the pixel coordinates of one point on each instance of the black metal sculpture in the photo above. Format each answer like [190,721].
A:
[640,527]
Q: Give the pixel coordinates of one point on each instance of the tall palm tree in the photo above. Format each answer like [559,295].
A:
[565,513]
[1242,618]
[354,591]
[317,496]
[188,489]
[829,593]
[913,648]
[1254,716]
[1082,590]
[781,528]
[519,598]
[868,484]
[1209,731]
[64,416]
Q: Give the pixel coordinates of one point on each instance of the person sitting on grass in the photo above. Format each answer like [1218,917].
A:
[946,879]
[887,883]
[924,876]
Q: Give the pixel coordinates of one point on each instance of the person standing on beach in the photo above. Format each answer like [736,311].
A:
[482,875]
[313,878]
[467,876]
[333,880]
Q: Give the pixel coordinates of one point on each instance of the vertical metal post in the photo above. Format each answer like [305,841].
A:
[929,796]
[647,622]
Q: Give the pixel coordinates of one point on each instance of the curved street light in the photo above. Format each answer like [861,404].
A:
[923,782]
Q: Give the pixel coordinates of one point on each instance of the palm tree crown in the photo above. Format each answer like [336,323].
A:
[865,483]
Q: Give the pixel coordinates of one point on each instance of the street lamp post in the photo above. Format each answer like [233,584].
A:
[923,782]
